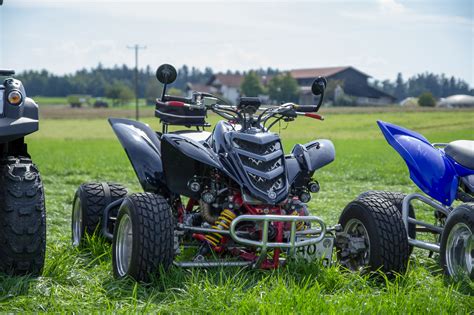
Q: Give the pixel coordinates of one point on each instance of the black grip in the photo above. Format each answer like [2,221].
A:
[306,108]
[177,98]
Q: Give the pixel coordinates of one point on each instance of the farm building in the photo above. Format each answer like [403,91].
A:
[228,85]
[347,82]
[457,101]
[344,82]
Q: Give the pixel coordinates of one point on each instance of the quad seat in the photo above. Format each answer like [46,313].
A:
[462,151]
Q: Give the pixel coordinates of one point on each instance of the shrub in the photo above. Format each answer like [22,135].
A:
[426,99]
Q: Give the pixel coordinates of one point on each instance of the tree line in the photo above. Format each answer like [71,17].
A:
[100,81]
[439,85]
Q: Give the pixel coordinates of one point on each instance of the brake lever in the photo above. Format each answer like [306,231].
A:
[312,115]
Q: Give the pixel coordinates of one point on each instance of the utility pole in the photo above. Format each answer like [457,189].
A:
[136,47]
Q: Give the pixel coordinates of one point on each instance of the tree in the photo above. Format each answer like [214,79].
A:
[119,92]
[251,85]
[174,91]
[126,94]
[153,91]
[426,99]
[400,87]
[283,88]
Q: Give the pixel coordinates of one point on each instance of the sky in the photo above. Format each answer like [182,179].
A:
[378,37]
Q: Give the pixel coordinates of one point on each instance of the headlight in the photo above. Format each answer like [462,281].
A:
[14,97]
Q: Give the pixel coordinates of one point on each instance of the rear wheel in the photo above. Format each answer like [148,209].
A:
[143,237]
[397,199]
[376,237]
[22,217]
[89,203]
[457,243]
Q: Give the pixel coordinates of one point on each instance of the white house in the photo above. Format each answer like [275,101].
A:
[228,85]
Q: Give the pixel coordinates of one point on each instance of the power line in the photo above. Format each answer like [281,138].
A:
[136,47]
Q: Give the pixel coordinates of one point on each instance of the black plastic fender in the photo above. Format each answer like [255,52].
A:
[193,149]
[16,121]
[185,159]
[143,148]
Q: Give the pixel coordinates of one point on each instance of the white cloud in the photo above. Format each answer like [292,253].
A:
[391,6]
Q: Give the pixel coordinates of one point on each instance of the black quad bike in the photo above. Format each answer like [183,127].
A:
[226,198]
[22,207]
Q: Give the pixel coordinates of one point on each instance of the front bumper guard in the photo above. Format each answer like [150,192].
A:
[264,244]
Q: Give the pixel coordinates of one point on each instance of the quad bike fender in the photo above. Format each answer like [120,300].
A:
[143,149]
[16,121]
[430,169]
[193,149]
[185,159]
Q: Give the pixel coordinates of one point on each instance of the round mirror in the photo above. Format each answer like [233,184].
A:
[166,73]
[319,85]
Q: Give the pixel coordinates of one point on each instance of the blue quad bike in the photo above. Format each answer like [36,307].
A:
[22,208]
[445,173]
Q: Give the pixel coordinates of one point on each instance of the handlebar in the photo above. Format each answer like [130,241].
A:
[306,108]
[176,98]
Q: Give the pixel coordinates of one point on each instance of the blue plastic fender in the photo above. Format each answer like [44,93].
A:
[142,146]
[430,169]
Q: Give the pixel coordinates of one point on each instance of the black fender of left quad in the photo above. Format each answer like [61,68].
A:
[143,148]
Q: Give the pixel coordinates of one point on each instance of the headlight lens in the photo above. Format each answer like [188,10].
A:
[14,97]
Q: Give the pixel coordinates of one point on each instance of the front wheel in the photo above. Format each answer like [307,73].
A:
[457,243]
[22,217]
[375,237]
[143,237]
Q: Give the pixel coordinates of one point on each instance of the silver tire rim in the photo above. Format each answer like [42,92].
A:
[77,222]
[124,245]
[460,251]
[355,227]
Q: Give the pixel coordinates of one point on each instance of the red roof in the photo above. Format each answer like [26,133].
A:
[323,72]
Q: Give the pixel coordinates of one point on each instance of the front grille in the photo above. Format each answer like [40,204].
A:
[261,165]
[266,185]
[262,161]
[257,148]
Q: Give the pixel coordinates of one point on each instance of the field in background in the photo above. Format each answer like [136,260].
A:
[59,100]
[72,151]
[66,112]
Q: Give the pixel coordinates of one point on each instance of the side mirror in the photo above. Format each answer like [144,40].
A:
[319,85]
[166,73]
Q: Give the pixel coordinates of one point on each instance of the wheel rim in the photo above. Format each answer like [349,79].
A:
[460,251]
[124,245]
[77,222]
[356,229]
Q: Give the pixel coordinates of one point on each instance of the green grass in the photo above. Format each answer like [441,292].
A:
[59,100]
[70,152]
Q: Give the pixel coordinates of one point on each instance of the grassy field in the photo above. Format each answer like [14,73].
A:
[60,100]
[73,151]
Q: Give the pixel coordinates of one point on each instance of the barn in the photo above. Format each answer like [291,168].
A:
[346,83]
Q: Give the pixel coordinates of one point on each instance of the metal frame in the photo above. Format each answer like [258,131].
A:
[105,219]
[429,227]
[264,244]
